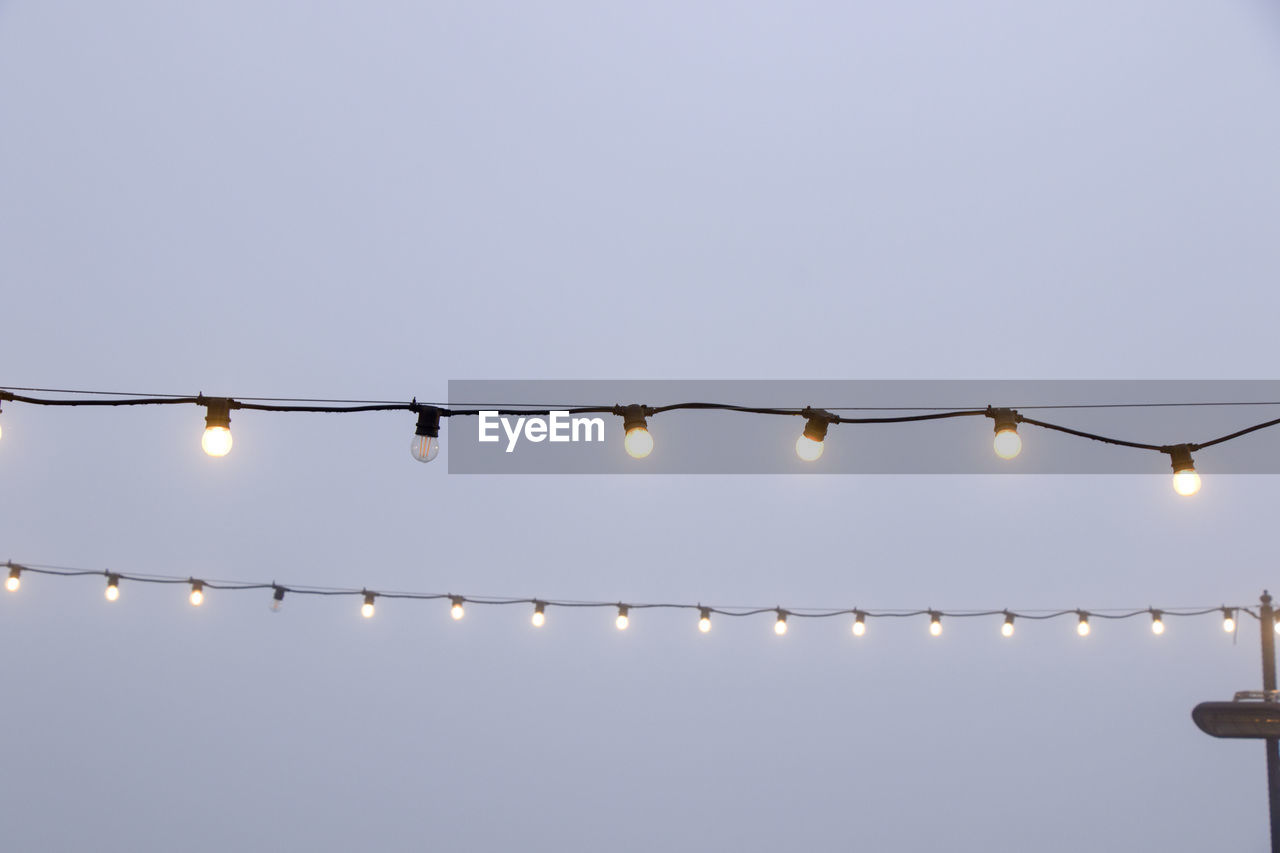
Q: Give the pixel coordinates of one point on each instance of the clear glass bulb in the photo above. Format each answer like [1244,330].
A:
[456,610]
[1082,628]
[11,583]
[1006,630]
[1157,626]
[1007,443]
[539,619]
[638,442]
[1186,482]
[1229,624]
[113,592]
[704,624]
[622,622]
[366,610]
[276,604]
[216,441]
[425,447]
[859,628]
[935,628]
[196,598]
[808,449]
[780,627]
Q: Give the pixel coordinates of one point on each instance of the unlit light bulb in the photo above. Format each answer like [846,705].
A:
[425,447]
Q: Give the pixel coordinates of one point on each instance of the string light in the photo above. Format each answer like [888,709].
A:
[704,619]
[622,621]
[1157,624]
[113,587]
[217,430]
[455,608]
[1082,627]
[780,627]
[197,593]
[1228,620]
[638,443]
[859,623]
[935,623]
[1007,444]
[14,580]
[426,436]
[277,598]
[1186,481]
[1006,629]
[366,609]
[809,445]
[539,614]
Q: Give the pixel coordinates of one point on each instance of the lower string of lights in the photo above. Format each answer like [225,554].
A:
[858,617]
[638,442]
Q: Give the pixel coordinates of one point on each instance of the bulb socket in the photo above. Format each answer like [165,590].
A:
[1180,458]
[428,421]
[1006,419]
[368,597]
[633,416]
[15,572]
[818,420]
[218,412]
[197,586]
[278,594]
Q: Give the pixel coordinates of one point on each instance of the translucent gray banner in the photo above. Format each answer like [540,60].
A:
[1162,413]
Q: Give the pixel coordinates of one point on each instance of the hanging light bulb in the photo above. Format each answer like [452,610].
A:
[809,445]
[1007,444]
[1082,627]
[1157,623]
[935,623]
[277,598]
[1006,630]
[539,614]
[217,426]
[1186,481]
[113,587]
[426,436]
[638,442]
[366,609]
[14,580]
[859,623]
[780,627]
[1228,620]
[704,619]
[455,608]
[197,593]
[622,621]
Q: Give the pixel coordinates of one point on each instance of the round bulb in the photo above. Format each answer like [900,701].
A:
[1157,626]
[622,622]
[1082,628]
[12,584]
[859,628]
[425,447]
[456,610]
[366,610]
[276,604]
[638,442]
[704,624]
[113,592]
[808,449]
[196,598]
[1186,482]
[935,628]
[1007,629]
[539,619]
[1229,624]
[780,627]
[1007,444]
[216,441]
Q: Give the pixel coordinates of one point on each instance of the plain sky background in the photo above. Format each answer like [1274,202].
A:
[369,199]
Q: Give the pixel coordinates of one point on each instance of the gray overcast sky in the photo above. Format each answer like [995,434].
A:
[368,199]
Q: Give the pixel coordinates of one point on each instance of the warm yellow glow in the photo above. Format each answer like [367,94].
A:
[704,624]
[1083,628]
[11,583]
[1186,482]
[808,449]
[216,441]
[622,622]
[859,628]
[935,627]
[539,618]
[1007,444]
[780,627]
[113,592]
[196,598]
[1157,626]
[456,610]
[366,610]
[638,442]
[1006,629]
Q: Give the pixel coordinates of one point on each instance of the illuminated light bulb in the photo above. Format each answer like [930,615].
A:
[12,582]
[859,624]
[1007,443]
[366,609]
[622,621]
[935,624]
[780,627]
[197,593]
[1157,623]
[113,587]
[1228,620]
[1278,627]
[1006,630]
[426,435]
[1186,481]
[539,614]
[638,443]
[277,598]
[455,609]
[217,430]
[809,445]
[704,619]
[1082,627]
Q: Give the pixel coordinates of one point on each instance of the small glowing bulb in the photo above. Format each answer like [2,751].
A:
[113,587]
[12,582]
[1007,443]
[1082,627]
[1157,623]
[808,449]
[1006,629]
[425,447]
[638,442]
[622,621]
[704,620]
[216,441]
[197,594]
[456,610]
[366,609]
[1186,482]
[539,615]
[935,625]
[1278,627]
[780,627]
[1228,621]
[859,625]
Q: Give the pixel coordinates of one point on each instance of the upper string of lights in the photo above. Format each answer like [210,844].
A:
[638,442]
[858,617]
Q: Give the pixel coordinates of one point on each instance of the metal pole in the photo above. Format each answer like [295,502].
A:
[1267,619]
